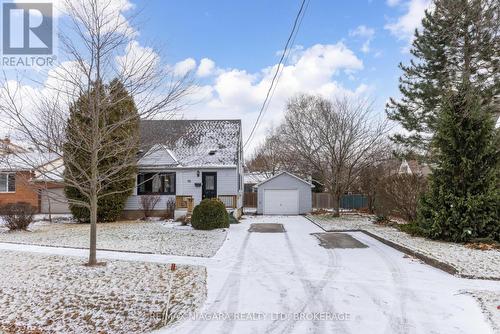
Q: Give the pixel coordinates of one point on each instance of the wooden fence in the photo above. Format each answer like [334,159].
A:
[250,200]
[319,201]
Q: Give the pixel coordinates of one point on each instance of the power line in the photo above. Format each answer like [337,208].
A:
[270,92]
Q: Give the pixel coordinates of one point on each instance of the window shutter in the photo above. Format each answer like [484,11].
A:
[12,182]
[3,182]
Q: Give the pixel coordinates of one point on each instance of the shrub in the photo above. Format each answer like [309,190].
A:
[17,216]
[210,214]
[412,229]
[399,195]
[170,209]
[148,204]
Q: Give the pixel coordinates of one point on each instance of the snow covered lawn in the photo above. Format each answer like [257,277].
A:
[157,237]
[468,262]
[57,294]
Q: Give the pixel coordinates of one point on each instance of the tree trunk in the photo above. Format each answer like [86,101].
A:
[93,231]
[336,204]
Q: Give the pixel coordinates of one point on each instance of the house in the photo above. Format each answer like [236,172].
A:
[414,167]
[284,194]
[250,179]
[185,161]
[180,161]
[18,173]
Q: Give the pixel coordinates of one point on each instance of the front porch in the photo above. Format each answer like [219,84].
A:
[184,204]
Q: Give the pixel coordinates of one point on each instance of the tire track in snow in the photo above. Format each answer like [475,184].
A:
[428,324]
[312,292]
[401,325]
[229,292]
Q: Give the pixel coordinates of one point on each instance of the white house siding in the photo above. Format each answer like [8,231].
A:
[185,180]
[133,202]
[285,181]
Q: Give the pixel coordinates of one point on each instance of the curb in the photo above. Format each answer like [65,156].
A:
[424,258]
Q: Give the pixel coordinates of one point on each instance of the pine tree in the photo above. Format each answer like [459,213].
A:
[463,201]
[459,41]
[120,106]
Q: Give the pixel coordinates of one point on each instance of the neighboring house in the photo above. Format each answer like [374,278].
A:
[186,161]
[18,176]
[7,147]
[414,167]
[250,179]
[284,194]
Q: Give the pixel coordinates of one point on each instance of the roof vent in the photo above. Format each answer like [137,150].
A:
[212,152]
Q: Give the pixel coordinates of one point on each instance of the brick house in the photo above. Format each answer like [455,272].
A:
[17,178]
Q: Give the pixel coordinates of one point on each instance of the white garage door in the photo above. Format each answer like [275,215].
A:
[54,200]
[281,202]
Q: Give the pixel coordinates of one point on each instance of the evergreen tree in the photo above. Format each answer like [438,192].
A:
[115,190]
[463,202]
[459,41]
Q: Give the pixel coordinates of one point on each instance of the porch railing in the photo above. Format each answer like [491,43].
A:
[184,202]
[230,201]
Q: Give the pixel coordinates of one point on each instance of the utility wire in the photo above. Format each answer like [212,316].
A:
[295,27]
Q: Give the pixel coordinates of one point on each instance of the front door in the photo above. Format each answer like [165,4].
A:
[209,185]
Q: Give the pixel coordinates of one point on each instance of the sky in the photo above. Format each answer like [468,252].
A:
[232,49]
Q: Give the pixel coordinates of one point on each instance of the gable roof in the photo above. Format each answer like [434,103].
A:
[158,155]
[279,174]
[193,143]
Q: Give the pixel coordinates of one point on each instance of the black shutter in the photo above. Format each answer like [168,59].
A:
[12,182]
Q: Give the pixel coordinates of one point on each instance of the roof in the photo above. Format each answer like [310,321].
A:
[290,174]
[255,177]
[414,167]
[25,161]
[191,143]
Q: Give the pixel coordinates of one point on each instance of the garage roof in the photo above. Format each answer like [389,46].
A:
[277,175]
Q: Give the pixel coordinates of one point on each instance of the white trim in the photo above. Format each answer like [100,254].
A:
[284,172]
[7,182]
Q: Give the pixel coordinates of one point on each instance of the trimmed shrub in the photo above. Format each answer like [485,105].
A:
[210,214]
[17,216]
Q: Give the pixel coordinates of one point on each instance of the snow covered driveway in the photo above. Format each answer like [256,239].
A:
[276,282]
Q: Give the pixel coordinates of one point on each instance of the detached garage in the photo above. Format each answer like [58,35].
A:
[284,194]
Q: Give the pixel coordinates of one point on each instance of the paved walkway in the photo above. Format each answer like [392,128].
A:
[282,280]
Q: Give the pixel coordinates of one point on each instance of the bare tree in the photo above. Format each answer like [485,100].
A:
[399,195]
[268,157]
[334,140]
[98,43]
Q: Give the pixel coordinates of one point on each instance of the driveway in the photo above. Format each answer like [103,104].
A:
[303,281]
[278,282]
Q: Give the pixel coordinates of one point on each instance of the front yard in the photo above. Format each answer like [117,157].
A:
[468,262]
[157,237]
[57,294]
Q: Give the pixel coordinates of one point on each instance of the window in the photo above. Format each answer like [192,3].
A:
[156,183]
[7,182]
